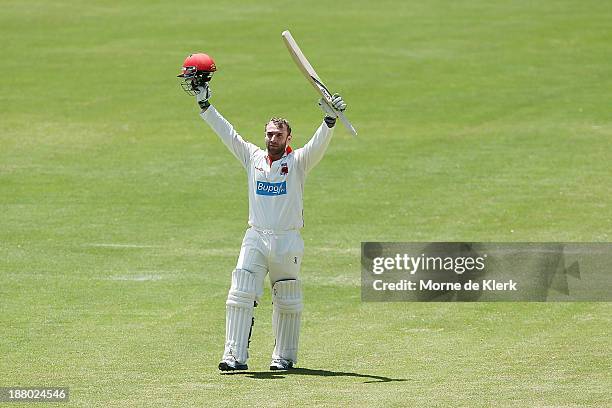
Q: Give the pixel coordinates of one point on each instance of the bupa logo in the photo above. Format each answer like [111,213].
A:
[271,189]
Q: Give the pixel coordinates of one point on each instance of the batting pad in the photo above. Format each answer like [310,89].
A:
[286,316]
[239,314]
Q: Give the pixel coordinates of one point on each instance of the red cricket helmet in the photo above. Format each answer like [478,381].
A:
[196,71]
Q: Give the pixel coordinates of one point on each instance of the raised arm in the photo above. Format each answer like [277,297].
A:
[312,153]
[196,73]
[241,149]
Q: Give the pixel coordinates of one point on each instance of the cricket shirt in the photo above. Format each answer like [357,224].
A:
[276,189]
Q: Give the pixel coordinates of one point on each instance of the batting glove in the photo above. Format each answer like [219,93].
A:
[331,112]
[203,95]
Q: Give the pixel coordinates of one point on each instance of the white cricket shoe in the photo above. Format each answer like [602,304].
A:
[230,364]
[281,364]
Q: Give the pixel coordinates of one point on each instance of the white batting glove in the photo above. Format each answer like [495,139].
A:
[203,95]
[338,105]
[331,112]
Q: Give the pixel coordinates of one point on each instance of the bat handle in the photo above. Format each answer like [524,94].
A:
[346,123]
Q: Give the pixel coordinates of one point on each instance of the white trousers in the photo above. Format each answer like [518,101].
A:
[279,254]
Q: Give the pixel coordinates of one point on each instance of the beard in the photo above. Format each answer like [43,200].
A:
[276,151]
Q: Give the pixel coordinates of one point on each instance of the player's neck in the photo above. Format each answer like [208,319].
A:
[275,157]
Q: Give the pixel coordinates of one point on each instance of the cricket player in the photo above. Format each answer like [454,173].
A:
[272,244]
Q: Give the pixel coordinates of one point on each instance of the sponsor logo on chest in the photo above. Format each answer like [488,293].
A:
[270,189]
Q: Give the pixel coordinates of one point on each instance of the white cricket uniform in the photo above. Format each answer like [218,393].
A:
[273,243]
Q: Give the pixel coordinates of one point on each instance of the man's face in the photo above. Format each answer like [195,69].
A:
[276,139]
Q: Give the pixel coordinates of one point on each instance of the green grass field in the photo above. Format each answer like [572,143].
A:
[121,213]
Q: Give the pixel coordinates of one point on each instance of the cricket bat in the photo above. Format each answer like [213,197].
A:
[312,77]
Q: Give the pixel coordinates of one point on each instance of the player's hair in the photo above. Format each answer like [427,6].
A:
[280,122]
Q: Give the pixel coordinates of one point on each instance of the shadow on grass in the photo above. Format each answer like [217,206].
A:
[274,375]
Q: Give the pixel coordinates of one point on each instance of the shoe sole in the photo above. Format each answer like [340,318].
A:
[223,366]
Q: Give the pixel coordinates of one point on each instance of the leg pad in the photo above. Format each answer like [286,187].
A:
[239,315]
[286,318]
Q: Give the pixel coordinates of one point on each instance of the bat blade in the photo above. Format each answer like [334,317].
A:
[311,75]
